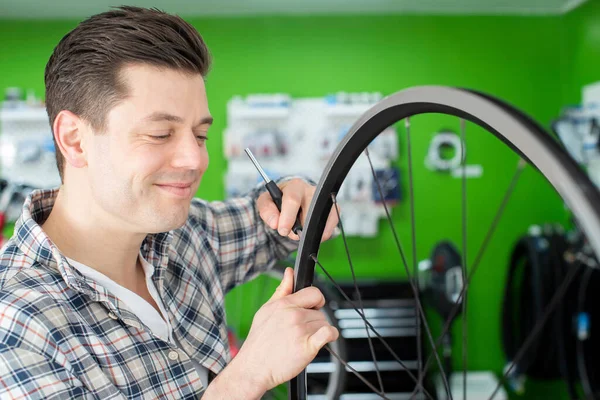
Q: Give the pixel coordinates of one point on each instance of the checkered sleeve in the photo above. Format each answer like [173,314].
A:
[243,244]
[31,364]
[28,375]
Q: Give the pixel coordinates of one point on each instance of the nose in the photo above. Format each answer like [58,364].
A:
[188,153]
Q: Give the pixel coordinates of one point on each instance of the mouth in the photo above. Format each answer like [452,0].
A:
[179,189]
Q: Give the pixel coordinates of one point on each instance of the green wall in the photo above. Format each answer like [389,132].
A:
[515,58]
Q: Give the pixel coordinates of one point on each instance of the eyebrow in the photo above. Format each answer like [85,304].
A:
[161,116]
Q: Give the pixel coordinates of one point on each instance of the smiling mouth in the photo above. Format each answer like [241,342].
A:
[178,189]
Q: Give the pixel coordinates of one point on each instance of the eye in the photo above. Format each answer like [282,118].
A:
[160,137]
[202,138]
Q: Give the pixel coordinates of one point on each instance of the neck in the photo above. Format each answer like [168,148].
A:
[82,234]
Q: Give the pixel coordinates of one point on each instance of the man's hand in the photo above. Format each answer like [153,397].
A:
[297,195]
[286,335]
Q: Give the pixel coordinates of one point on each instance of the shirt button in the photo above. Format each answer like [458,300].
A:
[112,315]
[173,355]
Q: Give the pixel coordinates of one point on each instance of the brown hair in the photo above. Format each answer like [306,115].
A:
[82,74]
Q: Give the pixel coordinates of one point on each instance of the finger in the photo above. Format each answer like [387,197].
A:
[293,194]
[309,297]
[309,193]
[314,317]
[312,327]
[293,236]
[268,210]
[320,338]
[286,287]
[332,222]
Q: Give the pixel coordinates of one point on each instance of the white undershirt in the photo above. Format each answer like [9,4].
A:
[157,322]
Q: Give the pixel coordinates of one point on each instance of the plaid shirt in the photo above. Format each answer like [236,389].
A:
[63,335]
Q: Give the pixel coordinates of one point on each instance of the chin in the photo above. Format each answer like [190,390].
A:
[175,224]
[161,228]
[162,222]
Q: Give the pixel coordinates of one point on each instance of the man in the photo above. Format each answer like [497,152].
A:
[113,285]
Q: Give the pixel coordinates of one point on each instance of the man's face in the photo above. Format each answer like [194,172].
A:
[146,167]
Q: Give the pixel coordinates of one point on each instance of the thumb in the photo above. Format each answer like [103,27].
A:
[286,287]
[324,335]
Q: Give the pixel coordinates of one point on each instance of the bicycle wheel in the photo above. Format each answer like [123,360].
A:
[533,147]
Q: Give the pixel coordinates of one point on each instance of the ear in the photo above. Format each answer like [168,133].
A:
[69,130]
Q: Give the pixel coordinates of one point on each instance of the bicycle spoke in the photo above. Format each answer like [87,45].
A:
[411,281]
[478,257]
[464,254]
[356,373]
[361,314]
[554,301]
[359,297]
[414,247]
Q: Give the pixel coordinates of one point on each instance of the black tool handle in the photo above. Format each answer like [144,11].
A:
[277,195]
